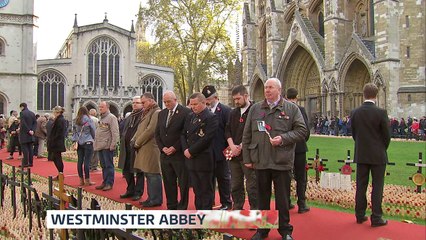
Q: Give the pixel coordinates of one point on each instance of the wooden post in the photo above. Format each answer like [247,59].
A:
[64,197]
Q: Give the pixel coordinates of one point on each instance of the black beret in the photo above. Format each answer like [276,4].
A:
[208,91]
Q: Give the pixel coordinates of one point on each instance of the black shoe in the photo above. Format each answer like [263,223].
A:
[361,219]
[136,197]
[126,195]
[259,236]
[379,223]
[303,209]
[100,187]
[107,187]
[24,166]
[287,237]
[225,207]
[150,204]
[291,206]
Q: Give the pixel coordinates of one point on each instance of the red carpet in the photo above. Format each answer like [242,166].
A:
[316,224]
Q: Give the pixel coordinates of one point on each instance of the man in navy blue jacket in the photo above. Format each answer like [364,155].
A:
[26,134]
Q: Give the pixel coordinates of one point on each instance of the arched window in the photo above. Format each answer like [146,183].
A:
[50,90]
[153,85]
[103,58]
[321,24]
[2,47]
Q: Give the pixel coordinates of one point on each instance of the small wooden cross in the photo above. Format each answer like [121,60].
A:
[64,197]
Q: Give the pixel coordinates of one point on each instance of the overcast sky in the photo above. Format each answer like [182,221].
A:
[56,19]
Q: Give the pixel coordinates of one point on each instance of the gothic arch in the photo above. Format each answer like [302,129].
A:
[51,85]
[4,102]
[2,46]
[382,94]
[355,73]
[103,62]
[114,108]
[154,84]
[300,70]
[90,104]
[127,108]
[256,89]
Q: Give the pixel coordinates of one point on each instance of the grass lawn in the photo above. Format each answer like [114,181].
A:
[399,152]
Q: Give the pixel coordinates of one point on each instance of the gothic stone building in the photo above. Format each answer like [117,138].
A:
[96,62]
[328,49]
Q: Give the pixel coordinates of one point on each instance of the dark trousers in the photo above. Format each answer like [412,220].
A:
[239,172]
[223,176]
[281,180]
[378,179]
[300,176]
[14,142]
[107,164]
[27,150]
[35,147]
[134,186]
[84,153]
[57,160]
[203,189]
[175,175]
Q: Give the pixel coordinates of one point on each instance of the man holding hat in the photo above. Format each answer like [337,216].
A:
[221,168]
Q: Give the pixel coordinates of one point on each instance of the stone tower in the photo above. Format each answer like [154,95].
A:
[17,54]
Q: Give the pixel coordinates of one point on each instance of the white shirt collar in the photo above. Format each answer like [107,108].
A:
[213,109]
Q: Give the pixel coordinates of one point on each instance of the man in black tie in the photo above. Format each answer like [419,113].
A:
[222,173]
[371,132]
[168,132]
[197,138]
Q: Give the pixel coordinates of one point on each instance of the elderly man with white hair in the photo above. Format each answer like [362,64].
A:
[272,129]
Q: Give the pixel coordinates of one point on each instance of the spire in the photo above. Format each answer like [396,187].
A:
[106,18]
[132,28]
[237,38]
[75,20]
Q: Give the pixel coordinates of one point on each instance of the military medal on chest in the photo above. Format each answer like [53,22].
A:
[201,133]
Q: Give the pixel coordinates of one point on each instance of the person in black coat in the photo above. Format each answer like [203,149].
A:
[197,138]
[14,139]
[240,174]
[299,169]
[371,132]
[135,187]
[171,121]
[222,173]
[27,128]
[56,139]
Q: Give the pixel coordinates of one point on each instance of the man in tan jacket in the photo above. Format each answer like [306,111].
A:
[106,138]
[147,157]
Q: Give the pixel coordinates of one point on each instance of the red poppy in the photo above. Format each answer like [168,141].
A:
[241,120]
[282,113]
[320,168]
[268,127]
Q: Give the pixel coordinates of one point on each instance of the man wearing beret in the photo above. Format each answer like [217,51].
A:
[222,172]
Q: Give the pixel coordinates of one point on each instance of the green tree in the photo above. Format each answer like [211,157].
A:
[191,37]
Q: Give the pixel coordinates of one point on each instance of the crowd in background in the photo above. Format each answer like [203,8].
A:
[412,128]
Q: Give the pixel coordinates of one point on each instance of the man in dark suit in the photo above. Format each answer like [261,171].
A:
[170,124]
[299,169]
[222,173]
[371,132]
[26,134]
[197,138]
